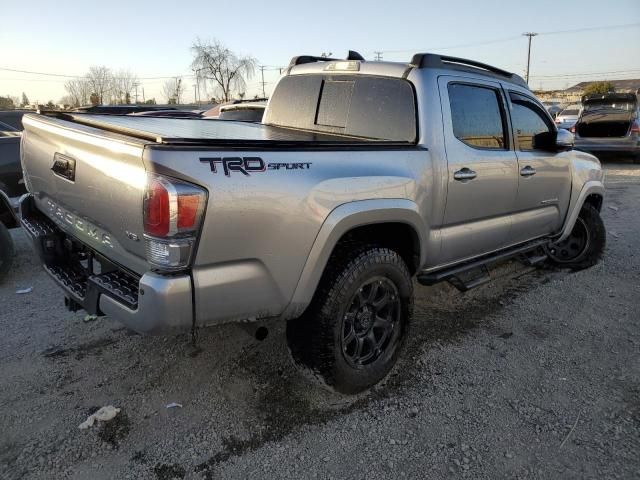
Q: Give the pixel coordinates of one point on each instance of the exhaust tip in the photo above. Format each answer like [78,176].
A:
[261,333]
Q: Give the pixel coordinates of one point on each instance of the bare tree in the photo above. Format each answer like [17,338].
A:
[224,68]
[79,90]
[122,84]
[100,80]
[173,90]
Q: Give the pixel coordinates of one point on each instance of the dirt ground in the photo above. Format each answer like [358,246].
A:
[535,375]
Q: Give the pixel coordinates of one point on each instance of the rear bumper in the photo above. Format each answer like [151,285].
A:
[608,145]
[152,303]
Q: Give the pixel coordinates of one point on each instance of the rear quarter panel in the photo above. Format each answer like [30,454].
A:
[259,228]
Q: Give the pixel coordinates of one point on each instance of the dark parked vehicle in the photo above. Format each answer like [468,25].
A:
[243,112]
[11,188]
[120,109]
[609,124]
[169,114]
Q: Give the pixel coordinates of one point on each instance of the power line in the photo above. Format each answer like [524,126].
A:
[83,76]
[588,74]
[508,39]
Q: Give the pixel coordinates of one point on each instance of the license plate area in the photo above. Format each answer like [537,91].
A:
[83,273]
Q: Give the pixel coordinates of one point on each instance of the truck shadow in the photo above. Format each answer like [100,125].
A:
[286,399]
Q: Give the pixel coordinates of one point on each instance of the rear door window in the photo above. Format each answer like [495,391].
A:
[477,116]
[527,120]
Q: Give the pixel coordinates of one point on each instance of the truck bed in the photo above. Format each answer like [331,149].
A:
[216,132]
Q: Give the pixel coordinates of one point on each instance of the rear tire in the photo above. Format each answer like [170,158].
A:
[352,333]
[584,246]
[6,251]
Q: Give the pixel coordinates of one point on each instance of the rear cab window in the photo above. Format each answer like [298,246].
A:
[363,106]
[477,116]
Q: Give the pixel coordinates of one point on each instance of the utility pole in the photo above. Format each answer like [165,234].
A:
[378,56]
[197,72]
[136,86]
[264,95]
[530,35]
[143,101]
[195,93]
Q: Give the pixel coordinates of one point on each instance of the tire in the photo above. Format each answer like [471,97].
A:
[352,333]
[584,246]
[6,251]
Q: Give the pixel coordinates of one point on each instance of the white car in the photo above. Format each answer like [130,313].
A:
[568,117]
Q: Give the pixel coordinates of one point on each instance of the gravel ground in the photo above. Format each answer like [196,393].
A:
[535,375]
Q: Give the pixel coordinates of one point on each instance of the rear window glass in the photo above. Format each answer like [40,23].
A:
[370,107]
[476,116]
[243,115]
[609,104]
[570,112]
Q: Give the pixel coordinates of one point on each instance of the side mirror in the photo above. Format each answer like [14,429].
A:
[564,139]
[553,141]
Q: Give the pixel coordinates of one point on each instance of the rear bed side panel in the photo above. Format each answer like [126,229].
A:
[259,228]
[104,201]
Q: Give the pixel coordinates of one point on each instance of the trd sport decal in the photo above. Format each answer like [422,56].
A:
[249,165]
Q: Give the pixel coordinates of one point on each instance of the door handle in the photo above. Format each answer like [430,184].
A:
[465,174]
[528,171]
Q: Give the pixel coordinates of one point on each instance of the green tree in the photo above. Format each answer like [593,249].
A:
[599,88]
[25,100]
[151,101]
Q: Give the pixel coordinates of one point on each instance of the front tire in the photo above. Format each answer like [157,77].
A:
[6,251]
[352,333]
[584,246]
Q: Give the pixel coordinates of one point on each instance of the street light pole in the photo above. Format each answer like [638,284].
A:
[530,35]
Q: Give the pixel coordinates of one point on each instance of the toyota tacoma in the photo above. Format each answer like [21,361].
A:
[361,176]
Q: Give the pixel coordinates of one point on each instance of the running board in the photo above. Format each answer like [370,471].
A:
[461,275]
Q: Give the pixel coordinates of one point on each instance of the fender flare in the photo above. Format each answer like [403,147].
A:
[589,188]
[341,220]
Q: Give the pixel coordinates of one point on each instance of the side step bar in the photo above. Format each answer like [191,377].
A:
[473,273]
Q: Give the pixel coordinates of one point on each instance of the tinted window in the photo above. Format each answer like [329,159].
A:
[374,108]
[527,120]
[476,116]
[570,112]
[243,114]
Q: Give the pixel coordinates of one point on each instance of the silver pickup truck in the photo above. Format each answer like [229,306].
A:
[361,176]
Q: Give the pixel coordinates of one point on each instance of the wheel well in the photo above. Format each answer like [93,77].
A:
[595,200]
[6,215]
[399,237]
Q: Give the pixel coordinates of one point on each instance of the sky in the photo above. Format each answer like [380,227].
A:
[154,38]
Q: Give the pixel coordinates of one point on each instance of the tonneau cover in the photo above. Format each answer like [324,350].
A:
[200,131]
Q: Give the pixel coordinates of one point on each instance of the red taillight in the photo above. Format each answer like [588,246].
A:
[635,127]
[188,206]
[172,216]
[573,129]
[172,208]
[156,209]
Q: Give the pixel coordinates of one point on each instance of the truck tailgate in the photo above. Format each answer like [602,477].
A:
[90,183]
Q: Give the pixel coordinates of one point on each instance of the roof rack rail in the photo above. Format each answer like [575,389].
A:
[432,60]
[299,60]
